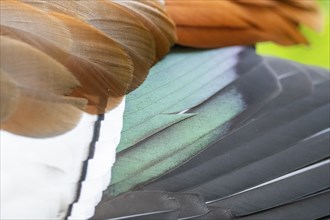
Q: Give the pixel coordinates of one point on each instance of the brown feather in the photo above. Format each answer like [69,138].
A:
[38,107]
[311,18]
[105,47]
[9,94]
[40,119]
[105,16]
[102,67]
[161,27]
[242,22]
[257,2]
[309,5]
[110,68]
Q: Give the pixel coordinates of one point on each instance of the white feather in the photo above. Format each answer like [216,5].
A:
[40,177]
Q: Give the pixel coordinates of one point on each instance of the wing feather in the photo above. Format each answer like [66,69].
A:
[39,106]
[206,24]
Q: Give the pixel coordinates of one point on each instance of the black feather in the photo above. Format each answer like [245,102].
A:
[256,136]
[141,205]
[278,193]
[283,129]
[315,206]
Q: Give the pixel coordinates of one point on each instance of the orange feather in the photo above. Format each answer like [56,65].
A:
[218,23]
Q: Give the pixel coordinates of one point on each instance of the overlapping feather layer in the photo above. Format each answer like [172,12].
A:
[218,23]
[85,55]
[59,58]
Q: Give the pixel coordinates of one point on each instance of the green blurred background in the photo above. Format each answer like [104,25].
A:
[317,53]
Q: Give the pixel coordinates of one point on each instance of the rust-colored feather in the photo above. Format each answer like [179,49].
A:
[106,47]
[207,24]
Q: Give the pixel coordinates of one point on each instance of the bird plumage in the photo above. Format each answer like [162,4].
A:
[256,147]
[62,64]
[107,60]
[38,83]
[208,24]
[61,176]
[66,67]
[119,62]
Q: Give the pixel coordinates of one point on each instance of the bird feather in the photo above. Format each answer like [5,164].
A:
[41,83]
[207,24]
